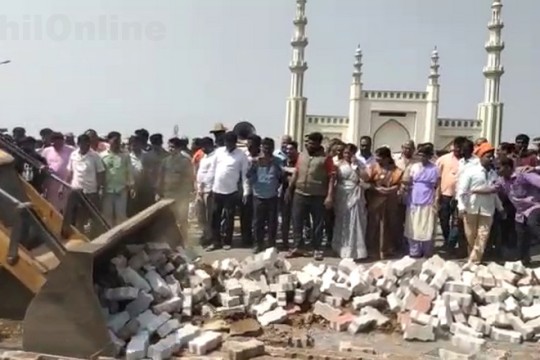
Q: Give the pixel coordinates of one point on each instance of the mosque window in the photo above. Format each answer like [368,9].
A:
[385,95]
[453,124]
[378,94]
[446,123]
[341,121]
[334,121]
[411,95]
[391,95]
[366,94]
[417,96]
[398,95]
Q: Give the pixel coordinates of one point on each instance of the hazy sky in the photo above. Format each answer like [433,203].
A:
[197,62]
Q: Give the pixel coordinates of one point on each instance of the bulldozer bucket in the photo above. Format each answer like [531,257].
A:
[65,317]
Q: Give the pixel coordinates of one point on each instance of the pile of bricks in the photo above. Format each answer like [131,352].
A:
[151,292]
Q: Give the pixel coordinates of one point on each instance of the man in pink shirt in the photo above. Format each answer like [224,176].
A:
[57,157]
[448,165]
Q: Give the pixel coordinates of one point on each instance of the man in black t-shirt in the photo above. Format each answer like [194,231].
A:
[29,171]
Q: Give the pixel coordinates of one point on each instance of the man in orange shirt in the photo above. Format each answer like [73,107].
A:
[448,165]
[197,152]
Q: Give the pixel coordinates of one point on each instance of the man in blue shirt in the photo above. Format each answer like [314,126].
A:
[265,176]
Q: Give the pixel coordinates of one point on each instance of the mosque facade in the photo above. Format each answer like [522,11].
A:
[392,117]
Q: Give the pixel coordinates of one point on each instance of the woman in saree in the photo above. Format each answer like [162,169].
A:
[421,181]
[383,199]
[350,207]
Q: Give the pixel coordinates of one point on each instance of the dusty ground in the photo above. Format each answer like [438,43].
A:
[385,344]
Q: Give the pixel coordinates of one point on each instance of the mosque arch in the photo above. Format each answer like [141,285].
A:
[392,133]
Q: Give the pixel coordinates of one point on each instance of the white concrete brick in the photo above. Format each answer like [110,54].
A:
[497,294]
[439,279]
[326,311]
[299,296]
[404,266]
[171,305]
[464,300]
[419,332]
[445,354]
[420,287]
[305,280]
[503,335]
[468,344]
[281,298]
[168,327]
[186,333]
[490,310]
[340,291]
[133,278]
[139,305]
[458,328]
[420,318]
[276,316]
[267,304]
[229,301]
[224,312]
[361,323]
[530,312]
[138,346]
[516,267]
[205,343]
[457,287]
[187,305]
[151,322]
[373,299]
[117,321]
[518,325]
[453,270]
[138,260]
[118,344]
[433,264]
[380,319]
[158,284]
[501,320]
[480,325]
[500,273]
[347,265]
[394,303]
[161,350]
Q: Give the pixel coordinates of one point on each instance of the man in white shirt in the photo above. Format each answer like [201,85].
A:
[477,200]
[86,172]
[204,190]
[281,153]
[364,154]
[229,166]
[468,155]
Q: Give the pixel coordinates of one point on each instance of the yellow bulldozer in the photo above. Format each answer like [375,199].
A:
[48,267]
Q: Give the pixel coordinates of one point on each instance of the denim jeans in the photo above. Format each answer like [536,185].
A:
[114,207]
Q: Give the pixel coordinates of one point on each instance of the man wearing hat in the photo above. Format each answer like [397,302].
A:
[478,200]
[219,131]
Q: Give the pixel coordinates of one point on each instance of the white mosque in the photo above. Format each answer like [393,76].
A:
[393,117]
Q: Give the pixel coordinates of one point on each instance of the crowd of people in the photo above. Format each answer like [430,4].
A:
[359,202]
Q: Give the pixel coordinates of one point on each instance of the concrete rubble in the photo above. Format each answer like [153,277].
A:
[151,294]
